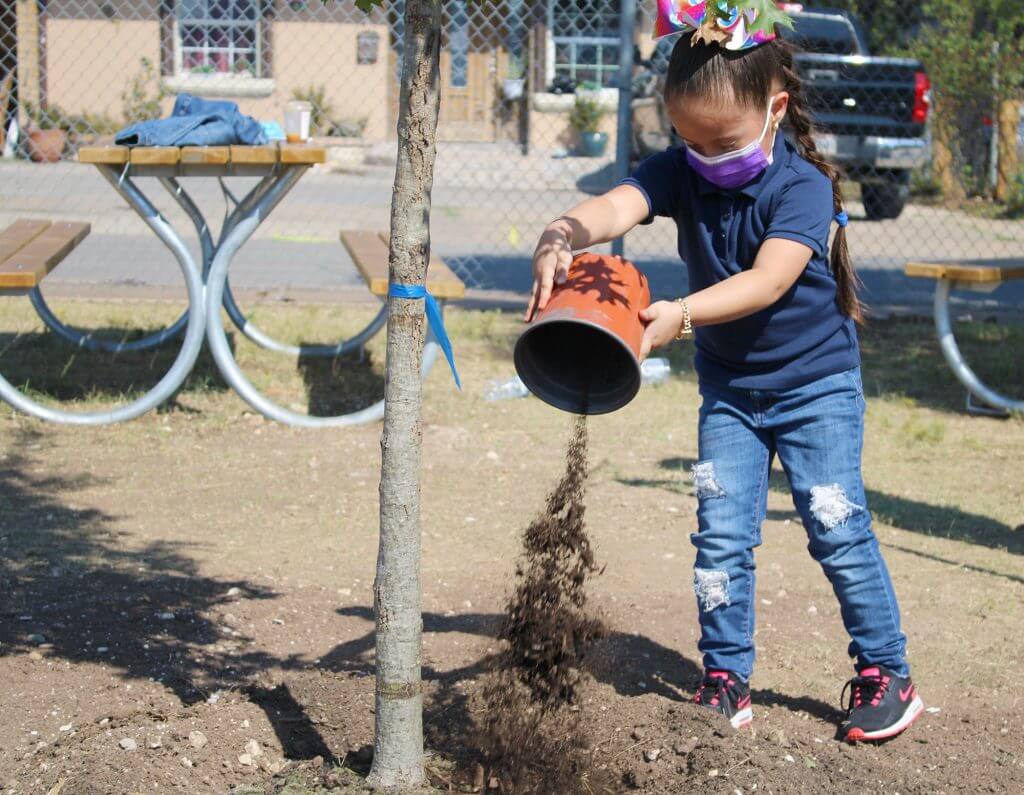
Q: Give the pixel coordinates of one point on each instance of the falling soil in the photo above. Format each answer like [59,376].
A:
[534,737]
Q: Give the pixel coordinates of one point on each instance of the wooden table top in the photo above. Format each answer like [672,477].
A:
[977,272]
[210,156]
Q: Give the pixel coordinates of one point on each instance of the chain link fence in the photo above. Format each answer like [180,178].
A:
[919,104]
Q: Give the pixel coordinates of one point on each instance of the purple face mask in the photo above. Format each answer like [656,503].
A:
[733,169]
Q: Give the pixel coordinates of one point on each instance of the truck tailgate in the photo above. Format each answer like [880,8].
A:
[860,95]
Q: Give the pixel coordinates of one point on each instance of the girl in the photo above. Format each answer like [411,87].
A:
[777,354]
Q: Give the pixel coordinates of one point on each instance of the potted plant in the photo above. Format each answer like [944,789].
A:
[85,129]
[585,119]
[322,110]
[47,133]
[512,86]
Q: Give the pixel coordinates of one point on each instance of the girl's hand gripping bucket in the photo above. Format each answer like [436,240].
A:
[582,353]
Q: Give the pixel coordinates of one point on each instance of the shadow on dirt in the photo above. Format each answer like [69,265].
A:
[75,590]
[295,729]
[902,357]
[634,665]
[341,384]
[940,521]
[47,365]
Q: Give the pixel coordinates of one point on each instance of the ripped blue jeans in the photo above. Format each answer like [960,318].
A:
[817,432]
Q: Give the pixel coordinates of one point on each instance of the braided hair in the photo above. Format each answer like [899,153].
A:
[749,77]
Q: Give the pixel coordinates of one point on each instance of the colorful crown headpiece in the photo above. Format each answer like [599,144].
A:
[738,26]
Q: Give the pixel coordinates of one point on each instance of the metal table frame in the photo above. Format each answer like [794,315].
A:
[208,289]
[194,331]
[991,401]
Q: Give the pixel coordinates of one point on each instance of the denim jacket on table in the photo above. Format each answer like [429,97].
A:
[196,122]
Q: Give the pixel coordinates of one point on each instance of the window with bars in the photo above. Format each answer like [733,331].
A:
[221,37]
[585,35]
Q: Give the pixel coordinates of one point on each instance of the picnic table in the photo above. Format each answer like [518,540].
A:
[278,168]
[976,277]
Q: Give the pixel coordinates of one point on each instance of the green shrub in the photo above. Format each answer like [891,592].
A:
[320,118]
[586,115]
[49,118]
[138,103]
[92,124]
[1015,198]
[923,184]
[347,128]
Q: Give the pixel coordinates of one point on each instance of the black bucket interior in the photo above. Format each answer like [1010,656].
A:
[577,367]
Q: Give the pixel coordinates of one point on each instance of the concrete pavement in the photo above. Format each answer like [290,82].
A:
[490,202]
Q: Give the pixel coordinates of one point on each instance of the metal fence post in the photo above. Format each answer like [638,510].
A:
[624,128]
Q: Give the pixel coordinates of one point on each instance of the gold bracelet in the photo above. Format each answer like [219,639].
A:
[685,328]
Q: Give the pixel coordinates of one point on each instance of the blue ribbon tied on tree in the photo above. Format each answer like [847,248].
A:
[434,318]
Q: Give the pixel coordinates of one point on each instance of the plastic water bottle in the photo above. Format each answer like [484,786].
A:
[655,371]
[506,390]
[12,138]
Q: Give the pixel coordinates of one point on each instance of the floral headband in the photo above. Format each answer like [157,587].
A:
[746,24]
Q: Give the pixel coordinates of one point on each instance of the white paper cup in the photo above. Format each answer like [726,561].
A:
[297,116]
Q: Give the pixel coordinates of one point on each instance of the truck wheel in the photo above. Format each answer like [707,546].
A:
[885,200]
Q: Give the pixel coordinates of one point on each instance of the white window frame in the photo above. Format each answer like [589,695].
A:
[575,41]
[221,84]
[233,52]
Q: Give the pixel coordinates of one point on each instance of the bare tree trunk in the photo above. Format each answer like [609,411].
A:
[1006,174]
[398,741]
[29,79]
[944,164]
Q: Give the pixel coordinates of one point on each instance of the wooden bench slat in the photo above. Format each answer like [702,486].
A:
[155,155]
[206,155]
[289,154]
[441,281]
[30,265]
[254,155]
[370,255]
[964,272]
[369,252]
[103,155]
[18,235]
[24,228]
[302,154]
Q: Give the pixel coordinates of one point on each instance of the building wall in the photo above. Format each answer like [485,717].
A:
[324,53]
[29,55]
[549,121]
[89,63]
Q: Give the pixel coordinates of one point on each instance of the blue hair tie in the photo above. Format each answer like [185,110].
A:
[434,318]
[842,218]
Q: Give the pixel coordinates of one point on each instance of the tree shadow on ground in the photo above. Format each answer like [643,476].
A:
[48,366]
[631,663]
[902,357]
[292,724]
[939,521]
[340,384]
[967,566]
[75,588]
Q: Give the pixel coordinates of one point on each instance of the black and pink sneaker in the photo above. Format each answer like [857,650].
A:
[728,695]
[881,705]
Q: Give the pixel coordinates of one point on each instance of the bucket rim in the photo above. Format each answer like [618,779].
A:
[547,396]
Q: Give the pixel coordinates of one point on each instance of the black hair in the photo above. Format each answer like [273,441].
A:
[748,77]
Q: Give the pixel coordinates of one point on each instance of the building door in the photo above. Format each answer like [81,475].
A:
[467,97]
[467,79]
[8,67]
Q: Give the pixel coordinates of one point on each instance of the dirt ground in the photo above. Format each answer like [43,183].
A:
[185,600]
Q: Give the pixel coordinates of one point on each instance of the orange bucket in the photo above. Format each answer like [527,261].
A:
[582,353]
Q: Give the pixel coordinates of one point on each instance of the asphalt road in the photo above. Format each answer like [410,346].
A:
[489,205]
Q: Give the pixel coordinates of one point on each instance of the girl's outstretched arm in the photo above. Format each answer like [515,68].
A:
[778,265]
[596,220]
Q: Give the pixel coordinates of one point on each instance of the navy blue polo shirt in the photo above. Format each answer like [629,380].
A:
[802,336]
